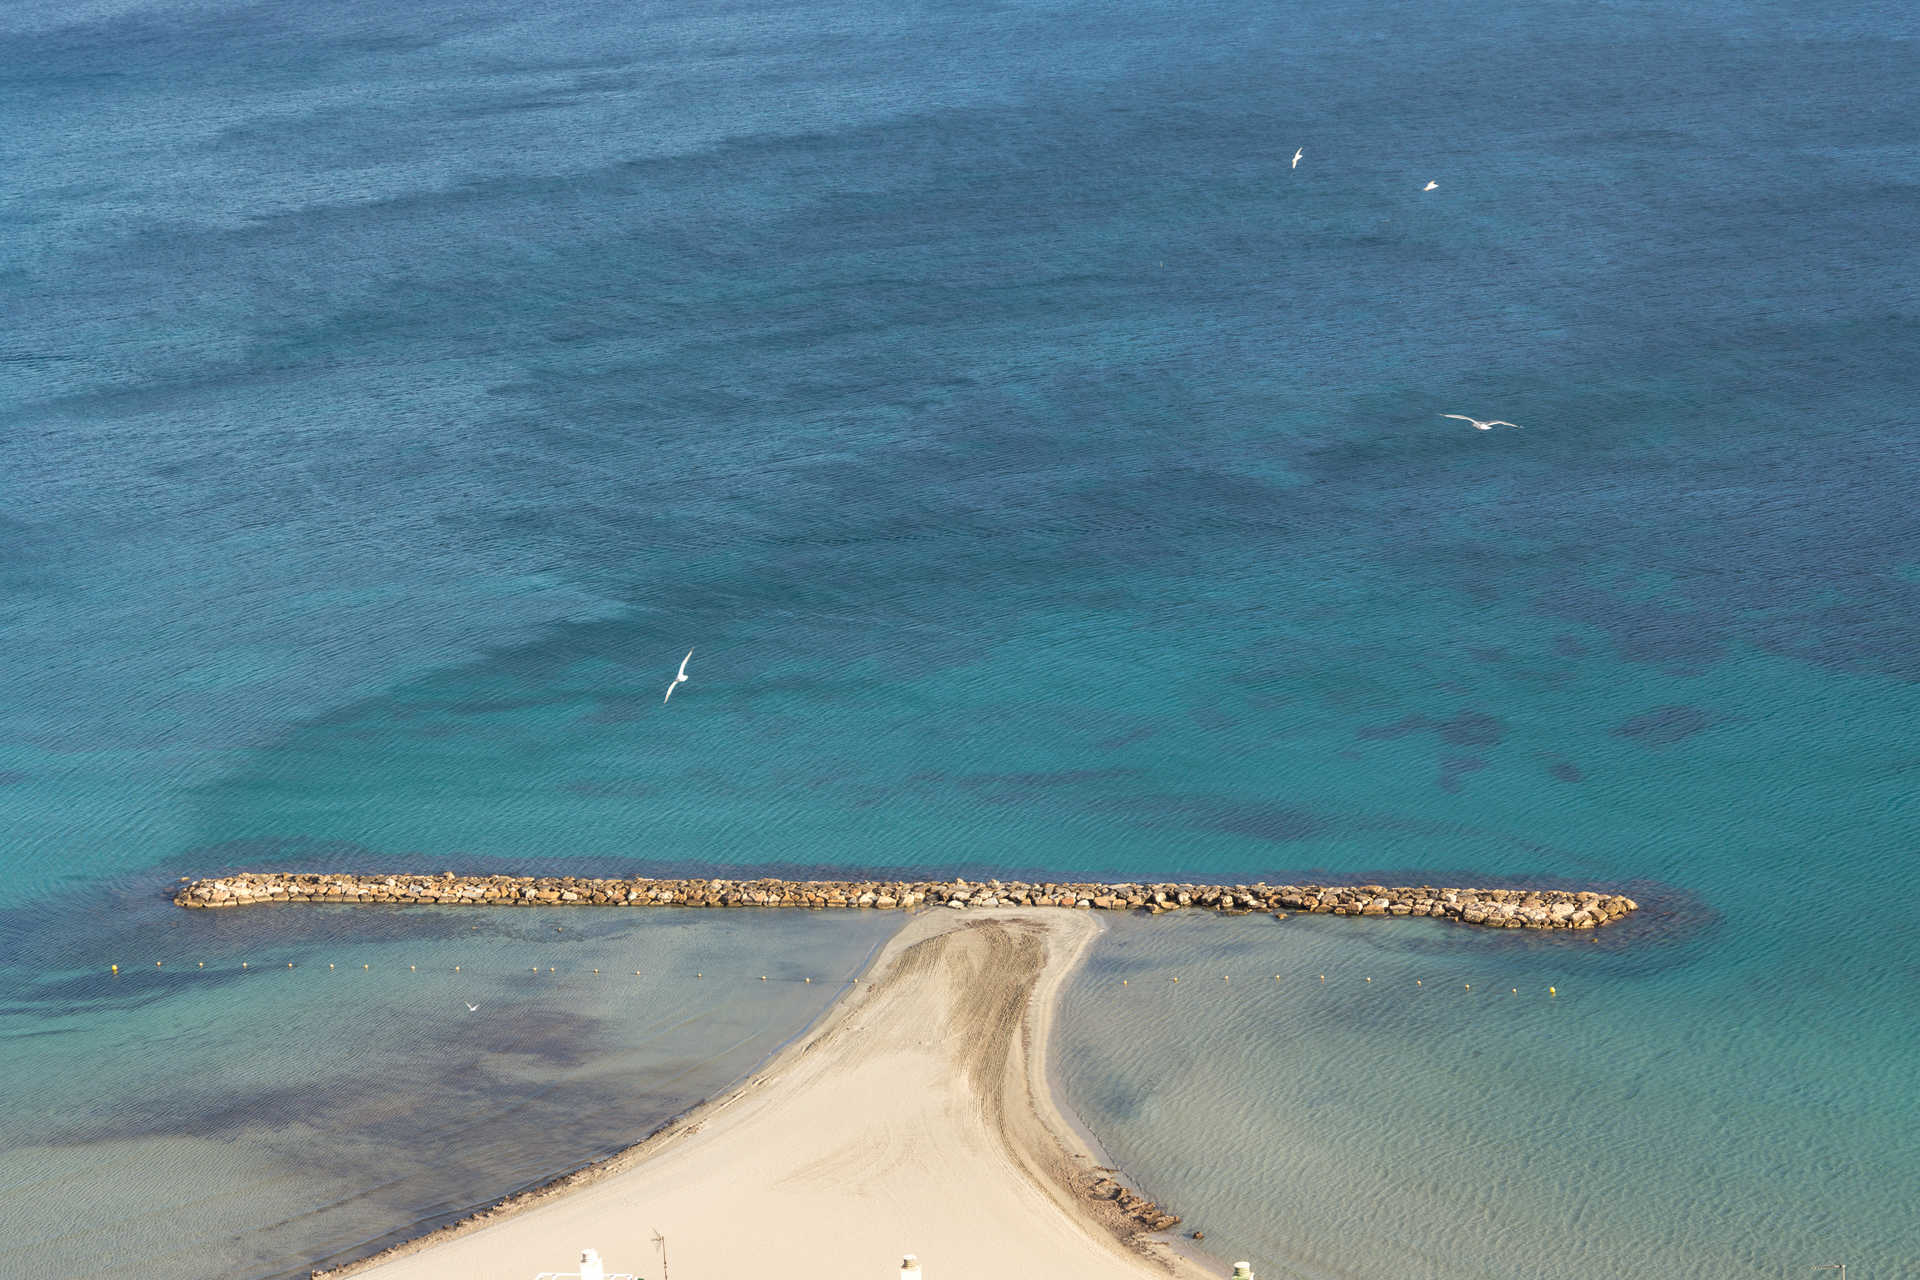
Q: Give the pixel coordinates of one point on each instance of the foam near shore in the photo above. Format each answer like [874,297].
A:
[1494,908]
[915,1119]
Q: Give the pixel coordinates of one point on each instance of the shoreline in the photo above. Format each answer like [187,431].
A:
[588,1172]
[957,1141]
[1490,908]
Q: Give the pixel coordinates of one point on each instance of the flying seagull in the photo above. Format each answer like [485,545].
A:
[1488,425]
[679,679]
[1430,186]
[1296,157]
[473,1008]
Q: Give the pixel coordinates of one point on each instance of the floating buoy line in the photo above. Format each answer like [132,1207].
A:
[200,966]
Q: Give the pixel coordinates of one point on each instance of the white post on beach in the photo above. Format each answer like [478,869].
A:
[590,1267]
[909,1268]
[1242,1271]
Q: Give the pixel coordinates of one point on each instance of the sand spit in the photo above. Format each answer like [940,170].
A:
[1493,908]
[914,1119]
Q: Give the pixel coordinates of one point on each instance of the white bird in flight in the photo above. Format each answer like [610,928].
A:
[679,679]
[473,1008]
[1430,186]
[1296,157]
[1488,425]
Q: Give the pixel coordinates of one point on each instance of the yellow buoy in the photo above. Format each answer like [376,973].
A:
[699,975]
[1369,979]
[156,964]
[1323,977]
[596,971]
[289,964]
[763,977]
[365,966]
[115,968]
[1225,978]
[809,979]
[329,966]
[243,964]
[1516,991]
[456,968]
[203,964]
[1417,982]
[1176,979]
[1123,982]
[1552,992]
[1467,985]
[549,968]
[413,969]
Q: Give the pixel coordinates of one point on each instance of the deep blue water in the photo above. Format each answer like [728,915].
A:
[1047,476]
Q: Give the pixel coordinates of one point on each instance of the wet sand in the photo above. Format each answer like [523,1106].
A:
[915,1119]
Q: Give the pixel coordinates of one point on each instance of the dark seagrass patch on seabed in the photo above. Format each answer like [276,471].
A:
[1664,726]
[1679,641]
[610,788]
[1127,737]
[1453,768]
[1465,728]
[1274,823]
[474,1070]
[1013,788]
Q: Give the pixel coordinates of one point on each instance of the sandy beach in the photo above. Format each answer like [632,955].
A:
[914,1119]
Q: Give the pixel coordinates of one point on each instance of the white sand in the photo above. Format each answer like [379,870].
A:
[915,1119]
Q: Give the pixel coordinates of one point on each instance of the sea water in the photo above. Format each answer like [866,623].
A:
[1417,1099]
[1049,477]
[258,1096]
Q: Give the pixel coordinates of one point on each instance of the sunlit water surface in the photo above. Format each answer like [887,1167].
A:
[1048,477]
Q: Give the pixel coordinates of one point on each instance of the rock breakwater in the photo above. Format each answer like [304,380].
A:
[1491,908]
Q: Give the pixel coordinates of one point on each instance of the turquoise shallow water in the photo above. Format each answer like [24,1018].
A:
[196,1118]
[1408,1099]
[1049,477]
